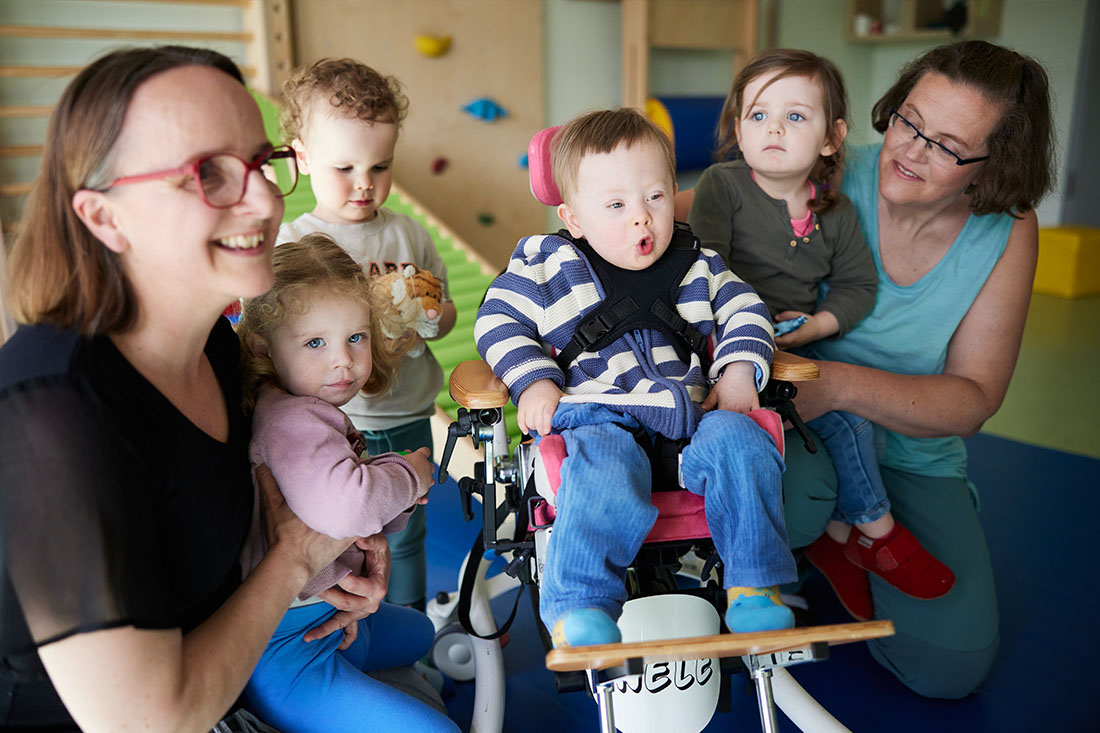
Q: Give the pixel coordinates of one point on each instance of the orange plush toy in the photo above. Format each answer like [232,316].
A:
[407,302]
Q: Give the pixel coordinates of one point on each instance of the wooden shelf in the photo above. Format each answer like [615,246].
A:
[907,21]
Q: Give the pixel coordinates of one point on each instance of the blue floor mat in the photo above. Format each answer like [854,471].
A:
[1038,510]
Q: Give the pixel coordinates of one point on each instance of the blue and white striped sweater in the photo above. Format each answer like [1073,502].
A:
[533,308]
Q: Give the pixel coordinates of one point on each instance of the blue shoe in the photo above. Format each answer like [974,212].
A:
[757,609]
[585,627]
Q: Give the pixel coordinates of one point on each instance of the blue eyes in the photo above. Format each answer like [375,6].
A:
[792,116]
[355,338]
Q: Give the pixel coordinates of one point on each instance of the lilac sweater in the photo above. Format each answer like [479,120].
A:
[309,446]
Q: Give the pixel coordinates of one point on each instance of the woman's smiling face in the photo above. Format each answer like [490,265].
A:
[173,241]
[955,115]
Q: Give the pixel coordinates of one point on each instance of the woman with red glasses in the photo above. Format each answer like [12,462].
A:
[126,488]
[946,205]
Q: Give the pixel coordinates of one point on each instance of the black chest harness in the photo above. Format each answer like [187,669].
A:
[636,299]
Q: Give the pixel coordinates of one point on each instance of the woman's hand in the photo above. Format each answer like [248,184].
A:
[815,396]
[288,534]
[357,596]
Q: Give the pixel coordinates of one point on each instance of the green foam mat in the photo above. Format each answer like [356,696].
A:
[464,276]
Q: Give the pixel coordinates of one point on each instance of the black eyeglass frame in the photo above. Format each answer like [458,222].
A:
[959,160]
[192,169]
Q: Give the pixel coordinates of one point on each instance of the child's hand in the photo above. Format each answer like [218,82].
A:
[537,405]
[735,390]
[421,462]
[817,326]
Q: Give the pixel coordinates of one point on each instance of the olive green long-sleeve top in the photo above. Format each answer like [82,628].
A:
[830,269]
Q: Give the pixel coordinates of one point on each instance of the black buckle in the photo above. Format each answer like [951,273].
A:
[591,332]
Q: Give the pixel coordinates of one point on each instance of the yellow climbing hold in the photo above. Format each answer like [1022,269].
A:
[433,45]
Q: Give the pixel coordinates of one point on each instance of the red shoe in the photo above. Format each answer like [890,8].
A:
[849,582]
[900,560]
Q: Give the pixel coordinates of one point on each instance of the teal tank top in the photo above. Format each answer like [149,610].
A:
[909,328]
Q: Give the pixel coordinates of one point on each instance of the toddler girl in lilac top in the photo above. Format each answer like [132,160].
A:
[310,345]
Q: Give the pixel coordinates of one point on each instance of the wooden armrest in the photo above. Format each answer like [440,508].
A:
[602,656]
[474,386]
[788,367]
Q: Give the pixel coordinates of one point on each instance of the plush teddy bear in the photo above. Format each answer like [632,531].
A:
[409,303]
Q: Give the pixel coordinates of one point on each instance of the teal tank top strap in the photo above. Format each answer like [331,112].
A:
[910,327]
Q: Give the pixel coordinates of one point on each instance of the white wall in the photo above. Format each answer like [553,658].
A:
[583,64]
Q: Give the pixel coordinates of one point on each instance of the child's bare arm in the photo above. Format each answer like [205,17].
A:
[537,405]
[735,390]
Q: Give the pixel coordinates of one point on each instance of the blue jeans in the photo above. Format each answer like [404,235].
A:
[300,686]
[409,572]
[604,511]
[861,497]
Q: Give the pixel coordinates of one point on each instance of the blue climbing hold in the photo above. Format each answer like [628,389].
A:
[485,109]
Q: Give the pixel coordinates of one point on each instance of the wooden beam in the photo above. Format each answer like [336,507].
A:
[239,3]
[20,151]
[25,111]
[14,189]
[34,72]
[272,52]
[635,50]
[41,31]
[31,72]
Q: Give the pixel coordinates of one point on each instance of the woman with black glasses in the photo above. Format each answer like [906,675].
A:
[946,206]
[126,488]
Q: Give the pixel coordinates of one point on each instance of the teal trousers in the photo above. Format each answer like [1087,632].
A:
[408,577]
[943,648]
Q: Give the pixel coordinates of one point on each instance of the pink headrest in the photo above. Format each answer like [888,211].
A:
[538,166]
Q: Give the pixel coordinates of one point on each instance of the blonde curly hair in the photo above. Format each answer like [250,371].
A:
[313,263]
[349,86]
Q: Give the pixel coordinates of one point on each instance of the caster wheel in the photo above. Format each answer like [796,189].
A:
[452,654]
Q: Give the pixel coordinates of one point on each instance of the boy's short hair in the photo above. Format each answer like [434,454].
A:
[601,132]
[350,86]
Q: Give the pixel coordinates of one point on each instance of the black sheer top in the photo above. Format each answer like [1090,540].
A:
[115,509]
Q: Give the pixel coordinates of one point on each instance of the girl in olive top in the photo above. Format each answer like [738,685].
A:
[798,243]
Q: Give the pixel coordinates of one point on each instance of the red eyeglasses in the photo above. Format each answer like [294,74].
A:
[222,179]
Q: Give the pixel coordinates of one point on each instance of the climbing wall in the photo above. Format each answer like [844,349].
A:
[495,52]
